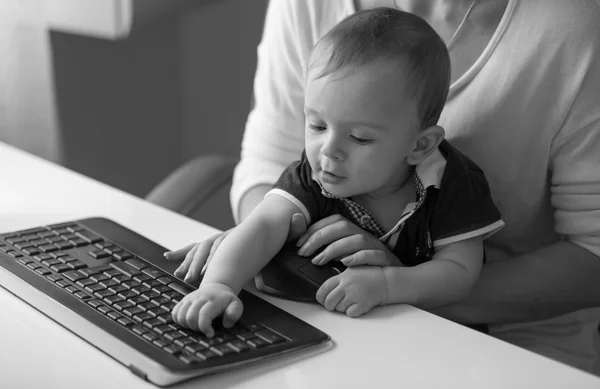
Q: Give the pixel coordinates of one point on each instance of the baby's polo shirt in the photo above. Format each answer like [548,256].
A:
[453,203]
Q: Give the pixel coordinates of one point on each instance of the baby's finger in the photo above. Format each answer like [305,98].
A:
[206,316]
[326,288]
[333,298]
[181,271]
[179,254]
[191,317]
[179,316]
[343,305]
[233,312]
[366,257]
[356,310]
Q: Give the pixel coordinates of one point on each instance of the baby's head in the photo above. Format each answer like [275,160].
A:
[375,87]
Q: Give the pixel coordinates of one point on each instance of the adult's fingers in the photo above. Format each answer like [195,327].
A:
[343,247]
[327,235]
[317,226]
[326,288]
[182,270]
[179,254]
[214,248]
[297,227]
[199,258]
[366,257]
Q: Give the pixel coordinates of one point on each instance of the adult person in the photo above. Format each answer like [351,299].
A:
[524,105]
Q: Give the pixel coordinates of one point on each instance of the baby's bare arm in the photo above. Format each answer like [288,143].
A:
[252,244]
[446,279]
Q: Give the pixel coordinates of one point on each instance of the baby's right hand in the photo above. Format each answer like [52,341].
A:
[195,256]
[198,309]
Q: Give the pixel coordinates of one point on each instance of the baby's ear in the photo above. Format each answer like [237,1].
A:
[426,142]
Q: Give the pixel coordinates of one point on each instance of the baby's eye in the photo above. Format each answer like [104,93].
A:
[316,128]
[361,141]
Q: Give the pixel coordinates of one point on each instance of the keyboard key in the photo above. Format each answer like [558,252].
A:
[125,321]
[147,306]
[141,278]
[142,317]
[125,268]
[195,347]
[165,280]
[14,241]
[127,294]
[90,271]
[162,289]
[137,299]
[140,289]
[64,245]
[184,341]
[59,254]
[112,272]
[78,242]
[173,335]
[139,329]
[42,271]
[46,234]
[82,295]
[24,261]
[43,257]
[207,354]
[15,254]
[181,288]
[137,264]
[66,259]
[123,305]
[112,249]
[269,336]
[162,329]
[62,283]
[189,359]
[75,228]
[122,255]
[239,345]
[121,278]
[54,277]
[108,283]
[103,245]
[39,242]
[85,282]
[166,318]
[257,342]
[51,262]
[99,254]
[74,275]
[95,303]
[172,349]
[23,245]
[153,272]
[33,265]
[160,343]
[89,236]
[151,336]
[31,251]
[131,312]
[152,323]
[104,309]
[112,299]
[94,288]
[103,293]
[114,315]
[99,277]
[71,289]
[77,264]
[151,296]
[48,248]
[54,239]
[60,268]
[118,289]
[222,349]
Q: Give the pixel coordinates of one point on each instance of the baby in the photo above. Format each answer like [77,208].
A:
[375,87]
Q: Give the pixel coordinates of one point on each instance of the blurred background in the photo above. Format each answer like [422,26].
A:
[125,91]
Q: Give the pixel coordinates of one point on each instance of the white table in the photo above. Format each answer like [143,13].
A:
[394,346]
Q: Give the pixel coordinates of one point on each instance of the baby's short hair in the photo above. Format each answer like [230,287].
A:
[390,34]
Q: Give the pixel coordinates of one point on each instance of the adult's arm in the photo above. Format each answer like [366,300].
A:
[561,277]
[274,133]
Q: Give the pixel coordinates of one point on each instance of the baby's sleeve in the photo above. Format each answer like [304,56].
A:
[464,209]
[296,185]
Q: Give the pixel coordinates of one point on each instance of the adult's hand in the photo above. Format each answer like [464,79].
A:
[345,242]
[197,256]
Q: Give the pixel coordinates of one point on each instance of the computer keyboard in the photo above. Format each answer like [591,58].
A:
[103,277]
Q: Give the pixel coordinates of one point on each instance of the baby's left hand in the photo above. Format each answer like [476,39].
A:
[354,292]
